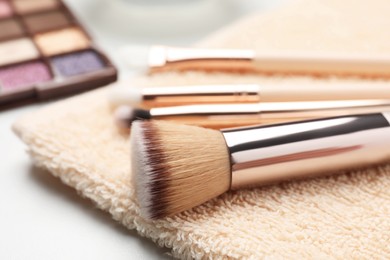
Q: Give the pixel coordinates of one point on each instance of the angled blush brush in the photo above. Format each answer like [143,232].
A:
[123,94]
[164,58]
[177,167]
[219,116]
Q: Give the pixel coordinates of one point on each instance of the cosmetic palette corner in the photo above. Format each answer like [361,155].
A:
[46,53]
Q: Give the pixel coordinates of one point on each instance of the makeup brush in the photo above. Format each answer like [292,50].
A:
[164,58]
[230,115]
[123,94]
[177,167]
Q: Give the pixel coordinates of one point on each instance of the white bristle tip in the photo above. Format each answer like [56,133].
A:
[123,115]
[124,94]
[140,160]
[135,56]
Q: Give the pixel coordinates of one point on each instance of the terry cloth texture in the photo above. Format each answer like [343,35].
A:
[337,217]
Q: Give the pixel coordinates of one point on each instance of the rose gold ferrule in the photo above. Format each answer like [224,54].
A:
[261,155]
[162,58]
[202,94]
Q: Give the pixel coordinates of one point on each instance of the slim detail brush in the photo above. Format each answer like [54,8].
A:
[123,94]
[219,116]
[177,167]
[164,58]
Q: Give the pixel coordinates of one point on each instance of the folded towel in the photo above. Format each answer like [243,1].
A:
[342,216]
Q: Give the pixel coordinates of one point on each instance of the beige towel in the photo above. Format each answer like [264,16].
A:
[344,216]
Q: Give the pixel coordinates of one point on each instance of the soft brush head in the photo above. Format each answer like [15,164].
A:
[124,116]
[177,167]
[121,93]
[136,56]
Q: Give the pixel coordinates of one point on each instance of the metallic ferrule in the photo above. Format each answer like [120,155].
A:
[162,58]
[263,155]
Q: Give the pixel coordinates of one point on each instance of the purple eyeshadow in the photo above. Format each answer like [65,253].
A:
[24,75]
[77,63]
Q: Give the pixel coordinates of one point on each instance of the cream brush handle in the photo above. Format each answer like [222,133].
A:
[228,121]
[323,64]
[163,58]
[325,92]
[147,97]
[233,115]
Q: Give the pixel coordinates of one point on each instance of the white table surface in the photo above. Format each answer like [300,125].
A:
[41,218]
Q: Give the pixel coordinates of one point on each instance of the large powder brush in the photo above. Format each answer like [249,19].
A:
[177,167]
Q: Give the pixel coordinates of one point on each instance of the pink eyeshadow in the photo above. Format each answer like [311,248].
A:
[24,75]
[5,9]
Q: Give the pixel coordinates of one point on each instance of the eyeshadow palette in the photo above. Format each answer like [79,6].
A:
[46,53]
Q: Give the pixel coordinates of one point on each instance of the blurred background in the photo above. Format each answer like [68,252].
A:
[116,23]
[44,219]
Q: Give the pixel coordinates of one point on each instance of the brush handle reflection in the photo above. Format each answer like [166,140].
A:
[263,155]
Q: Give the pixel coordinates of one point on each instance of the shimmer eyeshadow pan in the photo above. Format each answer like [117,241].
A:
[33,6]
[77,63]
[25,74]
[61,41]
[46,21]
[10,28]
[17,50]
[46,53]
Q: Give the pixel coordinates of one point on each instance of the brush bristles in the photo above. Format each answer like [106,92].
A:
[177,167]
[135,56]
